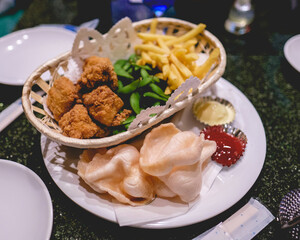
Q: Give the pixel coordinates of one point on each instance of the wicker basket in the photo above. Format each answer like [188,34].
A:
[48,127]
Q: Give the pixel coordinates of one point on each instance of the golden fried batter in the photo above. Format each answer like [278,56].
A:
[61,97]
[77,123]
[103,131]
[103,104]
[97,71]
[121,117]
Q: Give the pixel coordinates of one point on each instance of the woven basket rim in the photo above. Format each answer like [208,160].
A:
[121,137]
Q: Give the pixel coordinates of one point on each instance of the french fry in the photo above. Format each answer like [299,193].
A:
[190,43]
[168,91]
[203,69]
[191,57]
[173,81]
[154,37]
[175,71]
[175,56]
[181,67]
[151,48]
[160,76]
[165,71]
[179,52]
[162,44]
[189,35]
[145,58]
[153,25]
[159,58]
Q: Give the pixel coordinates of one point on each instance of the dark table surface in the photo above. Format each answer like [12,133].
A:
[255,64]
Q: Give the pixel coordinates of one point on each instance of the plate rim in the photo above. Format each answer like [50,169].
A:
[43,186]
[158,225]
[287,55]
[35,29]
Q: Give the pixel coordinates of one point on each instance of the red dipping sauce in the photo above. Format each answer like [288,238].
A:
[229,147]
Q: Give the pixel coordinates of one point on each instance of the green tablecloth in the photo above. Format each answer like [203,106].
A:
[255,64]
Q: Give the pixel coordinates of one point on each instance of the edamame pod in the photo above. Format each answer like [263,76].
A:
[154,95]
[121,72]
[158,90]
[120,84]
[135,102]
[144,73]
[145,81]
[128,120]
[129,88]
[156,103]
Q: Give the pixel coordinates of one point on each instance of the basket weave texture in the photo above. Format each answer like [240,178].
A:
[35,84]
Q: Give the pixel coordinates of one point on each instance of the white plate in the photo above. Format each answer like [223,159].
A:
[292,51]
[25,204]
[23,51]
[229,187]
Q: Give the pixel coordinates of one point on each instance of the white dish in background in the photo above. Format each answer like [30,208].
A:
[23,51]
[229,187]
[25,205]
[292,51]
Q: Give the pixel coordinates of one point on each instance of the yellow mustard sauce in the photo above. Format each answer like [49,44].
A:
[213,113]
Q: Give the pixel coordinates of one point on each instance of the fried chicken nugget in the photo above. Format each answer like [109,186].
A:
[77,124]
[121,117]
[97,71]
[103,104]
[61,97]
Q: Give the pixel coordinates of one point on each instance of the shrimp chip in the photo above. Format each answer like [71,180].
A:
[117,172]
[177,159]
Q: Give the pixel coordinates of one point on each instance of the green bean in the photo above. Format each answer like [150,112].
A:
[156,103]
[133,58]
[144,73]
[127,125]
[146,67]
[117,131]
[154,95]
[121,72]
[128,120]
[120,63]
[129,88]
[120,84]
[135,102]
[158,90]
[145,81]
[156,79]
[127,66]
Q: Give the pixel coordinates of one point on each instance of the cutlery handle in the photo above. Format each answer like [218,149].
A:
[10,113]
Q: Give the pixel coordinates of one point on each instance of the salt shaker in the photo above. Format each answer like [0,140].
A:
[240,17]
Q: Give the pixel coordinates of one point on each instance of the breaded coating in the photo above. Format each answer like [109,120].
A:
[103,131]
[77,123]
[97,71]
[121,117]
[93,60]
[103,104]
[61,97]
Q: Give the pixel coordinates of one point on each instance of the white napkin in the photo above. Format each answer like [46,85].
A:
[160,208]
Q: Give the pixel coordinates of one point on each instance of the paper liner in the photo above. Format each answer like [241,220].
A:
[217,120]
[118,44]
[61,162]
